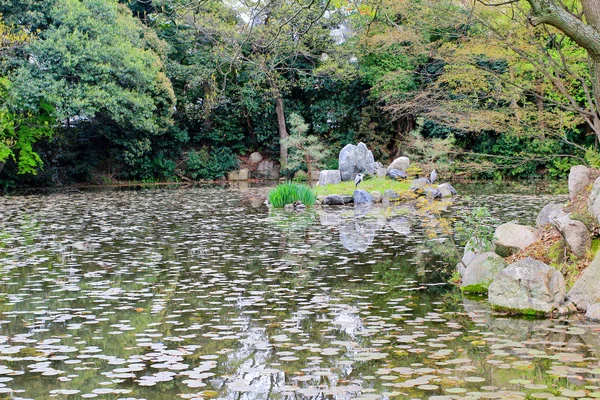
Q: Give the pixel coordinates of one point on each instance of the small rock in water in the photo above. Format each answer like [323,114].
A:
[333,200]
[361,196]
[376,196]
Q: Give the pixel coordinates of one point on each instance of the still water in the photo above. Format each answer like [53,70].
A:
[202,293]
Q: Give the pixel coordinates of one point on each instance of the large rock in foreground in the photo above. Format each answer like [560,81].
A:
[509,238]
[586,290]
[574,232]
[329,177]
[580,177]
[361,196]
[527,287]
[481,271]
[400,163]
[354,160]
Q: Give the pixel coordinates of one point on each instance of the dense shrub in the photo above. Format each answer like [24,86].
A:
[288,193]
[211,165]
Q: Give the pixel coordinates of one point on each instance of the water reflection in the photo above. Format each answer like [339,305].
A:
[203,293]
[358,226]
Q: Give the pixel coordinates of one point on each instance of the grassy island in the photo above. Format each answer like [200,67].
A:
[379,184]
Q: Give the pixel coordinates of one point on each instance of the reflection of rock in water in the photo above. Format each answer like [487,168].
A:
[358,235]
[514,328]
[402,225]
[242,186]
[330,219]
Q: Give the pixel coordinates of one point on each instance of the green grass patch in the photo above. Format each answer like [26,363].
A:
[523,312]
[288,193]
[479,289]
[379,184]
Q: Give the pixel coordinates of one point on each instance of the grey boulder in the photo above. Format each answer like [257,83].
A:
[473,248]
[481,271]
[447,190]
[267,169]
[396,174]
[419,183]
[239,175]
[529,287]
[354,160]
[400,163]
[586,290]
[593,201]
[376,196]
[510,238]
[255,157]
[549,211]
[574,232]
[333,200]
[361,196]
[389,195]
[580,178]
[329,177]
[593,312]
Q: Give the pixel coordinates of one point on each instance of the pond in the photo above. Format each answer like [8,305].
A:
[202,293]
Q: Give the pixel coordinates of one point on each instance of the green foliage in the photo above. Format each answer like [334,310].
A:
[20,130]
[305,151]
[211,165]
[592,157]
[288,193]
[477,228]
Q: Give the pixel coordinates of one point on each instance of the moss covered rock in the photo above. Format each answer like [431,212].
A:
[481,271]
[528,287]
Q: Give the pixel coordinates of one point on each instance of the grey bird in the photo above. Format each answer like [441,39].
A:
[358,179]
[433,176]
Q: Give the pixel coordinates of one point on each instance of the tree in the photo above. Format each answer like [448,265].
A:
[96,64]
[304,149]
[580,21]
[265,48]
[19,129]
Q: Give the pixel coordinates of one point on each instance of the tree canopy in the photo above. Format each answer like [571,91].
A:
[173,89]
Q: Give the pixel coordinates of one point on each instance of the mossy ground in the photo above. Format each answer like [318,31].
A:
[379,184]
[525,312]
[480,289]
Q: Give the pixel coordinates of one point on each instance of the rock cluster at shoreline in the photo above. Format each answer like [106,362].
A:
[527,286]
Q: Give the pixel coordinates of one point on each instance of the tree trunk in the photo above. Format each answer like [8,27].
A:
[308,166]
[283,151]
[2,165]
[591,8]
[585,34]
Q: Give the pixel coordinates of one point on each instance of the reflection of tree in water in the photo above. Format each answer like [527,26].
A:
[437,256]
